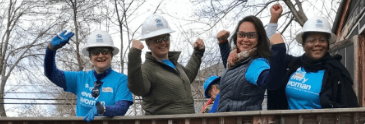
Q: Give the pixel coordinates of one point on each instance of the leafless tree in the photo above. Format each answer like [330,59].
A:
[22,36]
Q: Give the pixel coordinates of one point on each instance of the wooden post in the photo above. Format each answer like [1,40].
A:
[357,84]
[361,53]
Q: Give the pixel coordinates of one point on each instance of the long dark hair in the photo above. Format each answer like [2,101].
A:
[263,46]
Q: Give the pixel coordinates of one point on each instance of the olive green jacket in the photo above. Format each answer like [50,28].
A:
[164,90]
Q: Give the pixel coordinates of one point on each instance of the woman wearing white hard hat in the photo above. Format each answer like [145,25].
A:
[314,80]
[163,83]
[101,91]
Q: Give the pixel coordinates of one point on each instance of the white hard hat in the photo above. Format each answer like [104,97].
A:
[99,39]
[316,24]
[155,25]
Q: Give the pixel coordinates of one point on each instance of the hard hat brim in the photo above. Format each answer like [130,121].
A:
[332,39]
[86,53]
[156,33]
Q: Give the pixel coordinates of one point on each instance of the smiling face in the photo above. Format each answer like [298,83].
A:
[246,36]
[159,46]
[316,45]
[101,58]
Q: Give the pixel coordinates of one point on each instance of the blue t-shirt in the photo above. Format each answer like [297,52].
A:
[113,89]
[169,63]
[303,88]
[254,70]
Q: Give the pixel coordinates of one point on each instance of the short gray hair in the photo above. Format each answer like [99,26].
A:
[217,86]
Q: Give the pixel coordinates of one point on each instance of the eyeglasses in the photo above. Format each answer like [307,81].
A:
[160,39]
[97,51]
[313,40]
[250,35]
[96,90]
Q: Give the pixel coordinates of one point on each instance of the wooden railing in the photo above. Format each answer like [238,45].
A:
[319,116]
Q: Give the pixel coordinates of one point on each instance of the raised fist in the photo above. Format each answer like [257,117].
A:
[222,36]
[137,44]
[199,44]
[275,11]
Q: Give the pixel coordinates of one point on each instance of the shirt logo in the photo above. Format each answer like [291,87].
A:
[99,38]
[107,89]
[159,23]
[299,75]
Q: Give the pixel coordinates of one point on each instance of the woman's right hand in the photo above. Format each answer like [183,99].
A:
[276,39]
[222,36]
[60,40]
[137,44]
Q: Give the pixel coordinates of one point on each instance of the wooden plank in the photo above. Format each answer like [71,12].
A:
[338,119]
[361,67]
[263,119]
[221,120]
[213,120]
[346,118]
[356,86]
[195,121]
[105,122]
[356,118]
[204,121]
[291,119]
[121,122]
[271,119]
[343,17]
[319,119]
[322,116]
[187,121]
[247,119]
[300,119]
[256,120]
[282,119]
[309,119]
[329,118]
[341,44]
[239,120]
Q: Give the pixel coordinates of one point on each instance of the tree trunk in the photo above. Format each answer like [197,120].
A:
[299,15]
[2,108]
[79,61]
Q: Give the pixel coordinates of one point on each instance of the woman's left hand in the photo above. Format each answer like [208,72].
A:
[276,39]
[199,44]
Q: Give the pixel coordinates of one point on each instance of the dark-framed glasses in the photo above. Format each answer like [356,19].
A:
[249,35]
[97,51]
[314,40]
[160,39]
[95,92]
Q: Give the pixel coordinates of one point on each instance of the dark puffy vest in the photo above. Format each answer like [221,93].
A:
[236,93]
